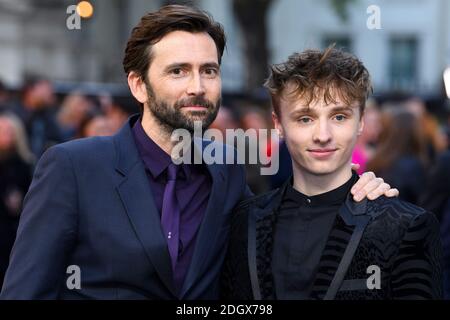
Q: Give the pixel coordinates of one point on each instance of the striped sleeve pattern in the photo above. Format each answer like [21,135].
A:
[417,270]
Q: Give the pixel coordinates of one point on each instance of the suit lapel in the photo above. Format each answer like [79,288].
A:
[261,227]
[138,201]
[340,248]
[136,195]
[260,246]
[210,226]
[347,257]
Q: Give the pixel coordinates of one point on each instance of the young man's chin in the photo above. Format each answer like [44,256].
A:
[322,169]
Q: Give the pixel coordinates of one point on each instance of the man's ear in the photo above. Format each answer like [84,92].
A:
[137,87]
[277,124]
[361,126]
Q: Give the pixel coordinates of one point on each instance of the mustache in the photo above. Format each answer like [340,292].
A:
[198,101]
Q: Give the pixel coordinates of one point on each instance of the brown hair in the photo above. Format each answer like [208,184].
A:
[320,74]
[401,135]
[155,25]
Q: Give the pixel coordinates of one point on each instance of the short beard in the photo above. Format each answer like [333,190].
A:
[171,117]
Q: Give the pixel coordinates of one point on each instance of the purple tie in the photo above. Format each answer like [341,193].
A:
[170,217]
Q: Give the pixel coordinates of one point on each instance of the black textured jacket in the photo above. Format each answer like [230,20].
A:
[401,239]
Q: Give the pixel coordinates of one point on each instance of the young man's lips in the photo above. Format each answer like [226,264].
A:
[321,153]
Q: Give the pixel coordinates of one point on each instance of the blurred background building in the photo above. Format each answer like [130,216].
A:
[409,53]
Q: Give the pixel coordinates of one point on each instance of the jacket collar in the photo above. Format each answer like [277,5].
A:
[134,192]
[127,154]
[271,203]
[350,222]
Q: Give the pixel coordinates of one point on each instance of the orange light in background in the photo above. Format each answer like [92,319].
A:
[85,9]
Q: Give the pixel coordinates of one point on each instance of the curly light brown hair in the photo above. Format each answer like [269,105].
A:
[316,74]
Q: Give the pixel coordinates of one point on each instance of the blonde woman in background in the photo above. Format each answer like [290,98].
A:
[16,161]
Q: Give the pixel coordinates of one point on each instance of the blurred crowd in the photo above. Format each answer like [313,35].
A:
[402,142]
[33,119]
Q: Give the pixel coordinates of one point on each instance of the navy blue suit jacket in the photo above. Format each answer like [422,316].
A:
[90,205]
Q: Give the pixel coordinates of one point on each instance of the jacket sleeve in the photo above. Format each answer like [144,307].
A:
[46,233]
[417,270]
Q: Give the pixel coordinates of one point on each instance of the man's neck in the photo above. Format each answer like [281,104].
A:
[157,133]
[312,184]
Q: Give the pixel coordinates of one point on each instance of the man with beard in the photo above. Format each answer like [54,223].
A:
[114,217]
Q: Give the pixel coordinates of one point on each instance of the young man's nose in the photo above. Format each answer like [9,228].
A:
[322,133]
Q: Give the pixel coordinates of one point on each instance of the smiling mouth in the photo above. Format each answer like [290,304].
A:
[194,107]
[322,153]
[322,150]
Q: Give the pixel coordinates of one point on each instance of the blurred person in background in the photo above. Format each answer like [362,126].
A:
[435,140]
[15,176]
[36,110]
[96,125]
[255,118]
[365,145]
[436,198]
[447,131]
[4,97]
[400,158]
[118,112]
[74,109]
[225,120]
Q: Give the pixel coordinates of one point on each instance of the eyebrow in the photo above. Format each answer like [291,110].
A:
[210,65]
[188,65]
[309,111]
[302,111]
[343,109]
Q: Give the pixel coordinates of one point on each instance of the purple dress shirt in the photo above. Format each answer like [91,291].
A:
[192,192]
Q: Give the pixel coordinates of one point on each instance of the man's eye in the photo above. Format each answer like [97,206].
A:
[304,120]
[211,72]
[176,71]
[340,117]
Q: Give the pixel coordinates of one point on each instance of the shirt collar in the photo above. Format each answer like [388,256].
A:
[155,159]
[335,196]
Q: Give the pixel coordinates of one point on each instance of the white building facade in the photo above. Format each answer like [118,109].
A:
[409,52]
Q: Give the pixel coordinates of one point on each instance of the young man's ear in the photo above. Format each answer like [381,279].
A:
[137,87]
[361,126]
[277,124]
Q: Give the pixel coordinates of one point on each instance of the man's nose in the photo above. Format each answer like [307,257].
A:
[196,86]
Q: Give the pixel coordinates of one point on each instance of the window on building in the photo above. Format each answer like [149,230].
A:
[403,63]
